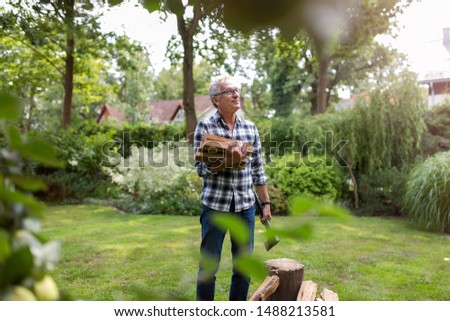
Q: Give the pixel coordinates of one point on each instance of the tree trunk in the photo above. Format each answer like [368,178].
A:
[28,121]
[354,181]
[188,88]
[68,76]
[313,99]
[321,107]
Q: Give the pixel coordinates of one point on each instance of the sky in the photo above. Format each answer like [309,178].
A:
[420,36]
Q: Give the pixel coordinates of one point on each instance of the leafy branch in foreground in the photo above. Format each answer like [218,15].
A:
[298,206]
[25,258]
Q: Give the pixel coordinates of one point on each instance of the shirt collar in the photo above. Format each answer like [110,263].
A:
[217,117]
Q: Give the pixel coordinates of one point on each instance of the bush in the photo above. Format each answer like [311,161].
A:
[82,175]
[83,149]
[437,136]
[382,192]
[283,135]
[309,176]
[427,196]
[169,188]
[146,136]
[278,204]
[438,121]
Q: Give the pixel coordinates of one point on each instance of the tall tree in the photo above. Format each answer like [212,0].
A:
[56,27]
[363,21]
[339,29]
[189,15]
[25,74]
[169,84]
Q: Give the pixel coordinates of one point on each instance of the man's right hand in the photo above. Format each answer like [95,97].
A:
[235,153]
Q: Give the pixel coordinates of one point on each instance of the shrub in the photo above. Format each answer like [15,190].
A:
[310,176]
[382,192]
[82,156]
[146,135]
[278,202]
[427,196]
[286,134]
[437,136]
[438,121]
[172,187]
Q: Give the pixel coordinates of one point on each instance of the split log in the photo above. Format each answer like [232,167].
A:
[215,143]
[213,148]
[267,288]
[308,291]
[328,295]
[290,273]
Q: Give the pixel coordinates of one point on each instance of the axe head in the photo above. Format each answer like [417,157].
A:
[272,238]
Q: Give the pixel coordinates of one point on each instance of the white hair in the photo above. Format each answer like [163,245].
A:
[214,88]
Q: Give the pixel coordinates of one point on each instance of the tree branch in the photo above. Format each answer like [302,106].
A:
[198,15]
[38,52]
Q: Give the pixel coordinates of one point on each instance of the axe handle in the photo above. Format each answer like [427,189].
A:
[259,207]
[260,210]
[273,239]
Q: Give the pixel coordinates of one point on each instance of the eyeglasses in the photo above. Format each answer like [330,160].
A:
[229,91]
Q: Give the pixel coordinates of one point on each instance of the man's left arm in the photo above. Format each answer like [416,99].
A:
[259,178]
[263,195]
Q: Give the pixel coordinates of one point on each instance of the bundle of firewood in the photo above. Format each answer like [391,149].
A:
[213,148]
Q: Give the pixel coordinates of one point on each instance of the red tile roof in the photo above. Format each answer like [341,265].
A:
[108,112]
[164,111]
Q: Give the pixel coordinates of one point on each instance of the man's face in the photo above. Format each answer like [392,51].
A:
[228,101]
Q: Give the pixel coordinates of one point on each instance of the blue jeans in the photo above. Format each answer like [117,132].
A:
[211,250]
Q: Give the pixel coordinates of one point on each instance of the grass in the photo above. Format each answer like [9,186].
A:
[108,255]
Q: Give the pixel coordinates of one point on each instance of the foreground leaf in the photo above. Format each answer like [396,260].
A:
[250,266]
[236,225]
[10,107]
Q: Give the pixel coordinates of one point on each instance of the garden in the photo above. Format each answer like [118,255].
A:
[109,210]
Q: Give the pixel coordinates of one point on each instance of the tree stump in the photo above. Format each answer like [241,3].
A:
[290,273]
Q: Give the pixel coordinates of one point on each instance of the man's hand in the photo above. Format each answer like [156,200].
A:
[235,153]
[267,215]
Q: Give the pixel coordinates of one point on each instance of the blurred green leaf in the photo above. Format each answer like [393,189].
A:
[248,265]
[35,207]
[40,151]
[300,232]
[305,205]
[27,183]
[14,137]
[10,107]
[175,6]
[113,3]
[333,210]
[5,249]
[302,205]
[152,5]
[238,230]
[17,267]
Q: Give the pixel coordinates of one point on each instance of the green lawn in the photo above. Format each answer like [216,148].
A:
[108,255]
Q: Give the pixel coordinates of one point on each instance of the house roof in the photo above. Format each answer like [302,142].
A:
[164,111]
[442,75]
[108,112]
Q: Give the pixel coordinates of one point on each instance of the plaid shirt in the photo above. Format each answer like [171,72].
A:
[220,188]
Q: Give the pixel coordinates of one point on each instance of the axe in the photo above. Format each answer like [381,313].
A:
[272,238]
